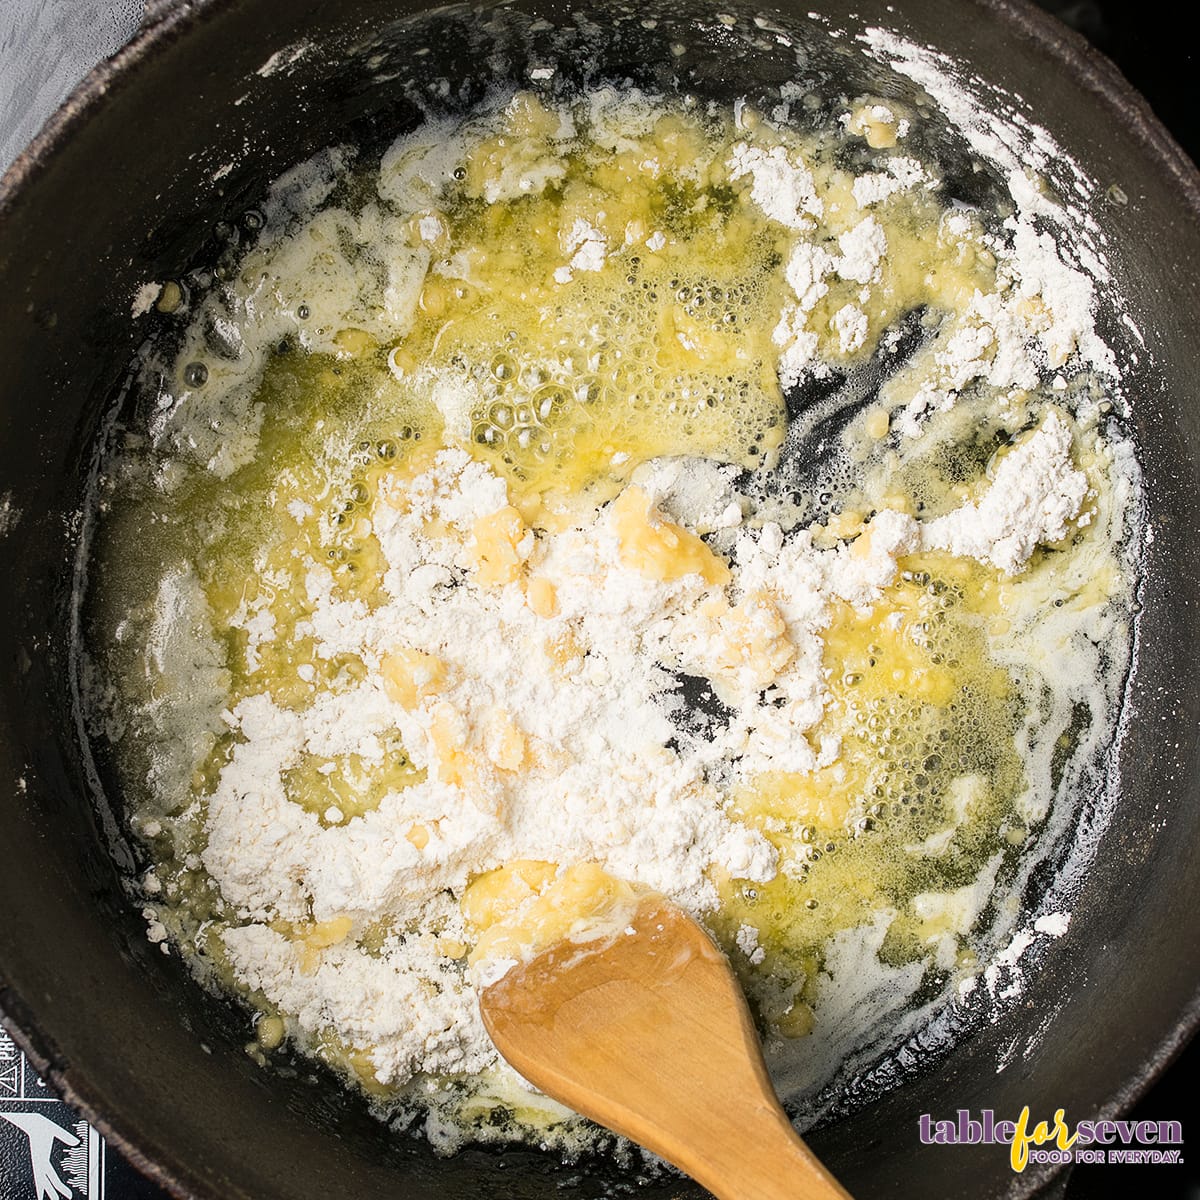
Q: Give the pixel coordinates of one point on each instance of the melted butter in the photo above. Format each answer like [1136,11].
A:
[563,379]
[916,705]
[341,788]
[659,344]
[659,548]
[524,908]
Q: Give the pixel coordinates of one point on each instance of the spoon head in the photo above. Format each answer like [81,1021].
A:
[635,1030]
[646,1031]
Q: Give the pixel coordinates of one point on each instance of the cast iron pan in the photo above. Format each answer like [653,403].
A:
[117,190]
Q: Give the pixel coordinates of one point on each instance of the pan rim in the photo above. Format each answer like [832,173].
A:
[167,21]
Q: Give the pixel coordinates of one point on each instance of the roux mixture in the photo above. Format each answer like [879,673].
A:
[491,548]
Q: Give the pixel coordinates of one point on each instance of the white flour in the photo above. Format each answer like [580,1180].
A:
[595,782]
[1041,313]
[1033,495]
[900,174]
[783,189]
[1051,250]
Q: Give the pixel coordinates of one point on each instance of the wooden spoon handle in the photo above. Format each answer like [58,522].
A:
[762,1158]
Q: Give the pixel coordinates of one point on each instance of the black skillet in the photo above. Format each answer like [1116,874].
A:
[119,189]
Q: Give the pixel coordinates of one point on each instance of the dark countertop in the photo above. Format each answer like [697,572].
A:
[44,46]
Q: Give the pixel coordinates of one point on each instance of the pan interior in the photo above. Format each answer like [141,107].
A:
[371,73]
[806,476]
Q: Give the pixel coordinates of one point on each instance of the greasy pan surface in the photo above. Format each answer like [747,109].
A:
[118,191]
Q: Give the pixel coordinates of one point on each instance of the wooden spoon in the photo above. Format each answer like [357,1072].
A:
[648,1033]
